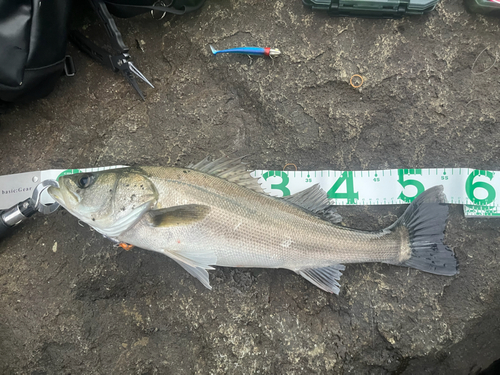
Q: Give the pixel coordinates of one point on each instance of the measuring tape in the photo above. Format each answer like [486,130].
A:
[473,188]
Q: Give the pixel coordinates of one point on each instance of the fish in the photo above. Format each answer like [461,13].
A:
[215,214]
[256,51]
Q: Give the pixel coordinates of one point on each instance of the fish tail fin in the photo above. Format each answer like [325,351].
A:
[214,51]
[423,225]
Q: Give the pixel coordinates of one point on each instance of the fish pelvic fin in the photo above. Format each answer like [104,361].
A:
[198,272]
[422,229]
[197,263]
[326,278]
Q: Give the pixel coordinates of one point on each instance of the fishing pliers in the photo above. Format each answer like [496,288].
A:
[13,216]
[120,62]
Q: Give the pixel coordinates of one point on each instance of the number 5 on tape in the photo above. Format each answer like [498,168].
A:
[404,183]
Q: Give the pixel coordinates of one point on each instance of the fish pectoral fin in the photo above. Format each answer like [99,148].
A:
[177,215]
[325,278]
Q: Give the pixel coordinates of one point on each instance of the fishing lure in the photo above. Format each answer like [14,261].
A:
[256,51]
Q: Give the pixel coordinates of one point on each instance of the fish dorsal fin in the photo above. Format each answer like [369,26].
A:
[314,199]
[177,215]
[326,278]
[330,214]
[232,170]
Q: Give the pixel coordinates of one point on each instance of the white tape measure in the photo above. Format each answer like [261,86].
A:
[475,189]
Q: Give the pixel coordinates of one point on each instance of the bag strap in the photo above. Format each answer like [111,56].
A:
[159,8]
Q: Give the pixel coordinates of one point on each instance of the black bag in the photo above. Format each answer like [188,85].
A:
[131,8]
[33,37]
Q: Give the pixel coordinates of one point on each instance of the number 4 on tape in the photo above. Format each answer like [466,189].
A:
[349,194]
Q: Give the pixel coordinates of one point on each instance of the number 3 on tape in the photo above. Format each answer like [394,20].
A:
[284,181]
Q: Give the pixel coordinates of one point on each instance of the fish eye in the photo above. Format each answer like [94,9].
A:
[85,181]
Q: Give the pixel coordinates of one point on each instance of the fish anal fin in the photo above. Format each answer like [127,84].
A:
[315,199]
[178,215]
[326,278]
[229,169]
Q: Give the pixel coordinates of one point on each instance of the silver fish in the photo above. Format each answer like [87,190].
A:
[216,214]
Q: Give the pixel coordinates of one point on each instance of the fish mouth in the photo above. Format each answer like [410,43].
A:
[63,195]
[55,193]
[70,201]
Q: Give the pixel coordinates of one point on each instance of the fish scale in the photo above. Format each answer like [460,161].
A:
[267,224]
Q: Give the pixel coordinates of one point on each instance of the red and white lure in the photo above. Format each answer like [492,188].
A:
[255,51]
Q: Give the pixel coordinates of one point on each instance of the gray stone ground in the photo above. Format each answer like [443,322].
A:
[72,303]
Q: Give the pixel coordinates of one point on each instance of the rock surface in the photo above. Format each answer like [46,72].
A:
[70,302]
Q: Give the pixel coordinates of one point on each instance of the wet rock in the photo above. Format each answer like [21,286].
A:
[91,308]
